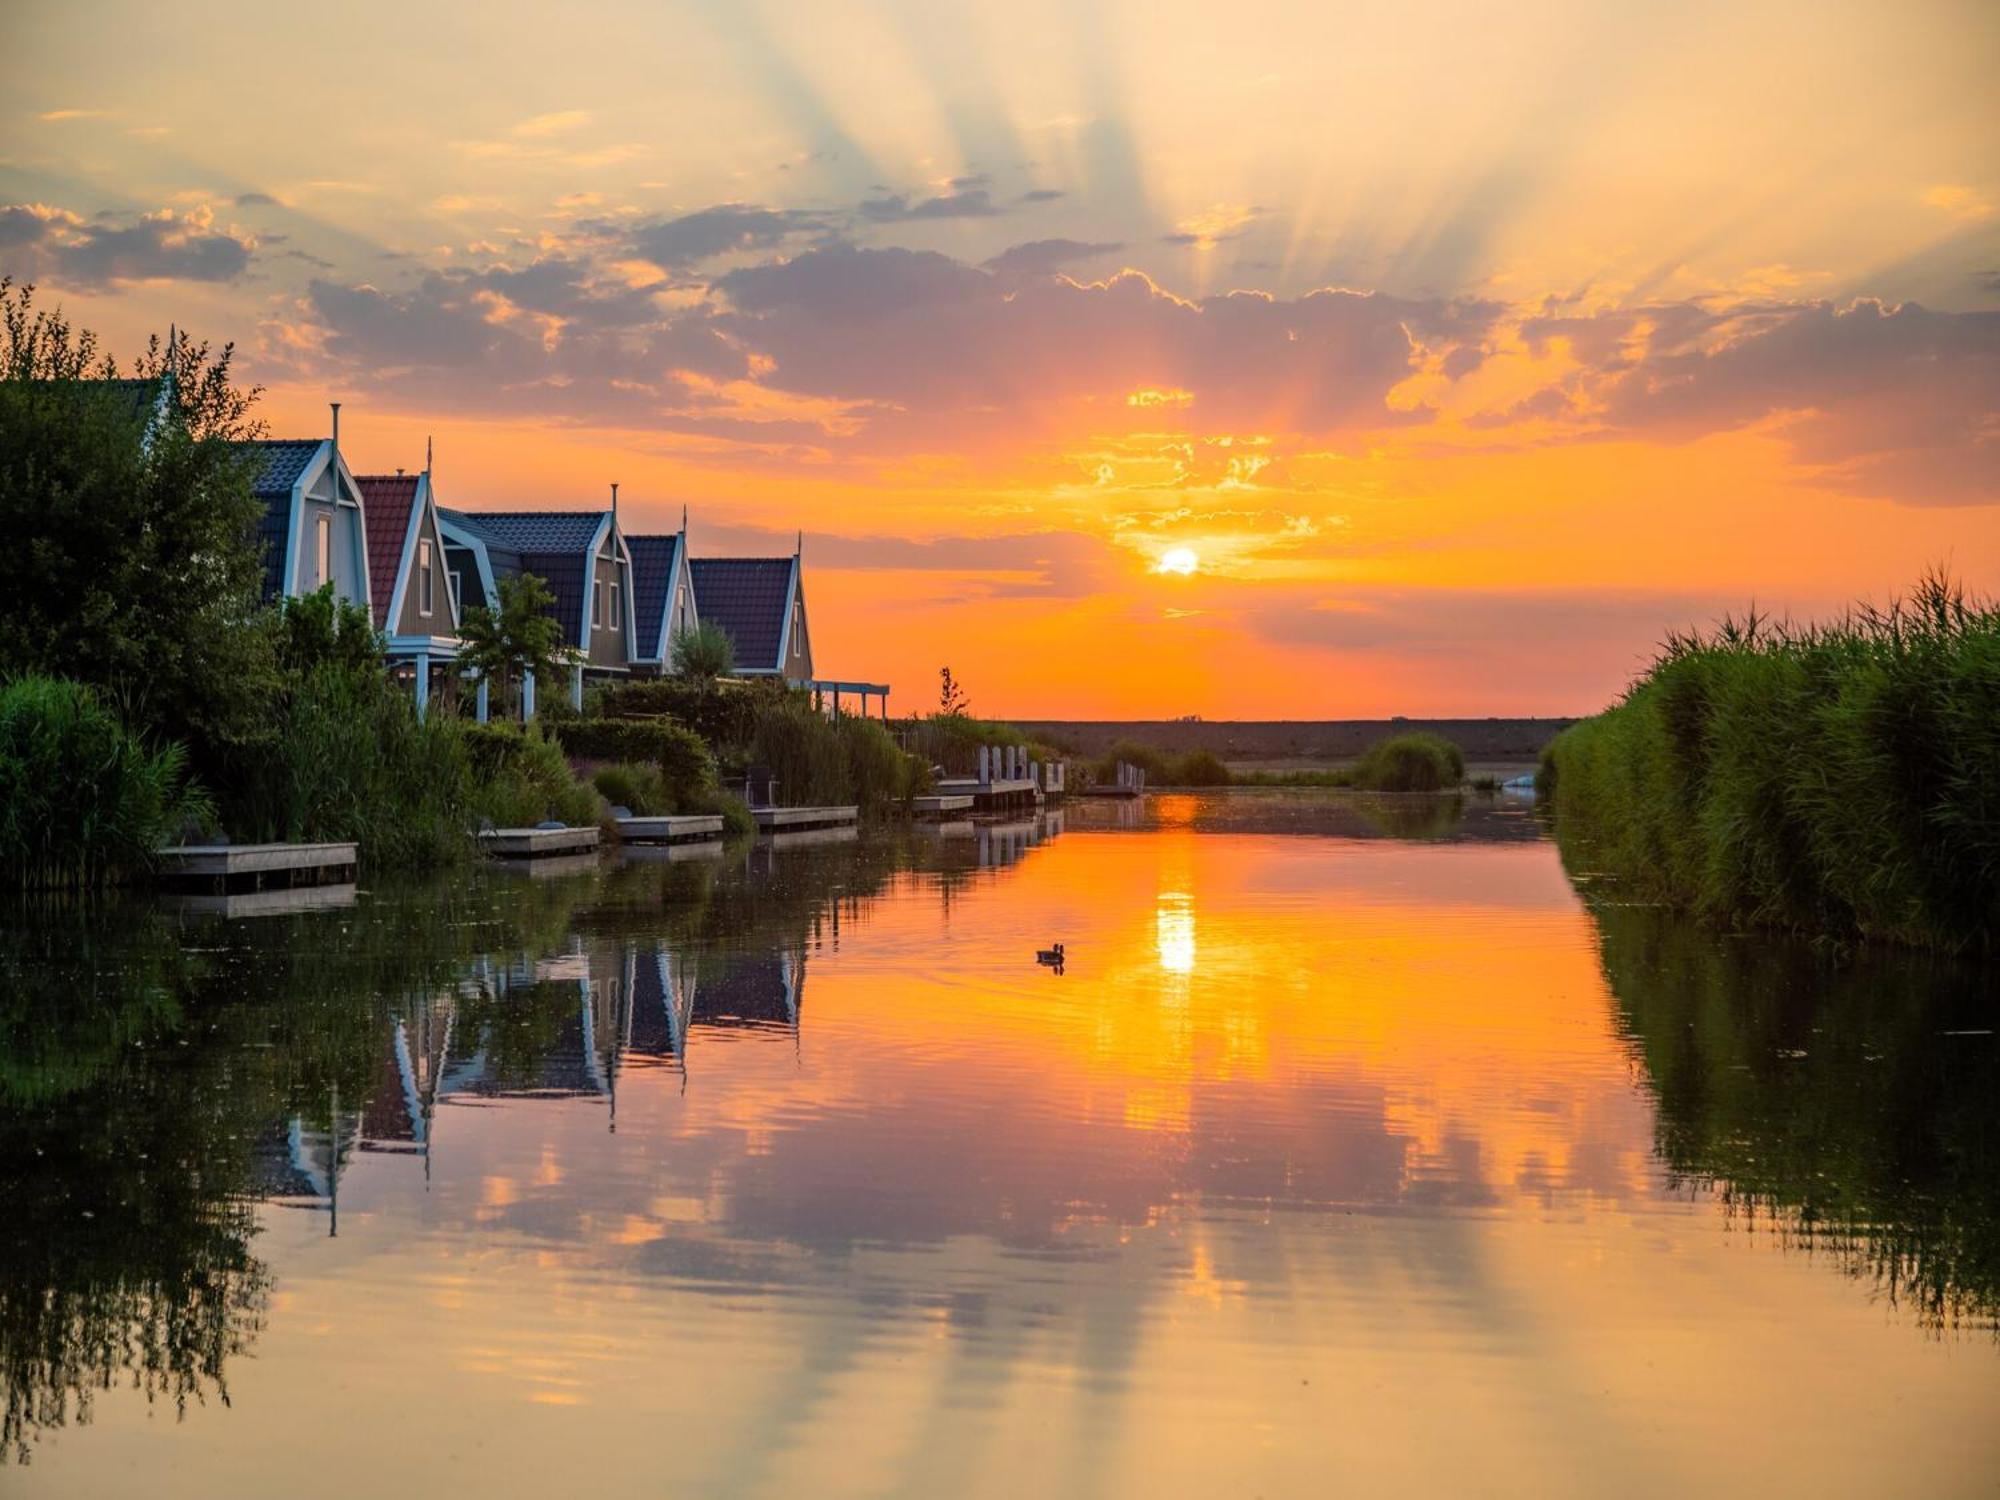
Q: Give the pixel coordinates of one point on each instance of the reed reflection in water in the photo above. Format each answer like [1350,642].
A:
[1331,1158]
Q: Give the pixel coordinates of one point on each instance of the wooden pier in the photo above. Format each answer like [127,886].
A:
[537,843]
[220,869]
[687,828]
[940,806]
[797,819]
[1127,781]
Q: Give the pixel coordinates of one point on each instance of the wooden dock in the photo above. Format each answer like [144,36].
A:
[688,828]
[798,819]
[537,843]
[940,806]
[219,869]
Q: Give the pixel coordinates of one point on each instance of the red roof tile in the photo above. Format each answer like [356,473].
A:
[386,499]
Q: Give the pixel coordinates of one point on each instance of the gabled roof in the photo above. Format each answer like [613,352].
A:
[653,567]
[277,465]
[386,500]
[541,530]
[749,597]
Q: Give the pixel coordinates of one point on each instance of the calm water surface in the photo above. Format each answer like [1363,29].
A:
[1352,1152]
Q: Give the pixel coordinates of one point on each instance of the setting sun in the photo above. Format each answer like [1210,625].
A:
[1181,560]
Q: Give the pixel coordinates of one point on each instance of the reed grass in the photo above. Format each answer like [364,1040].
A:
[83,801]
[1839,779]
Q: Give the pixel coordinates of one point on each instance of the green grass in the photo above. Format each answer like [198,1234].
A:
[83,801]
[1840,779]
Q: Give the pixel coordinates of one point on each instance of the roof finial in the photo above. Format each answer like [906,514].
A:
[684,518]
[427,456]
[800,549]
[614,502]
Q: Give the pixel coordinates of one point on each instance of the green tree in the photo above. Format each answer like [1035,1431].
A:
[131,561]
[322,628]
[704,653]
[520,636]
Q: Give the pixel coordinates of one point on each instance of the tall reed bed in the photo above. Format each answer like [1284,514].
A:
[1840,779]
[83,801]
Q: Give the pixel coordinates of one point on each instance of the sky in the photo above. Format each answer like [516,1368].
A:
[1259,361]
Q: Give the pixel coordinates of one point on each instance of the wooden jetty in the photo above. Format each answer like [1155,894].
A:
[219,869]
[1006,780]
[798,819]
[1127,781]
[686,828]
[940,806]
[537,843]
[270,903]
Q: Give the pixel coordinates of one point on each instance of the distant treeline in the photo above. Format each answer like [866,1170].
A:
[1333,740]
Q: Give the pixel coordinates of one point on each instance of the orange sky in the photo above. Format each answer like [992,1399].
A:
[1466,353]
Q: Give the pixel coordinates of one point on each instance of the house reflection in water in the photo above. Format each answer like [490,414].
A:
[585,1017]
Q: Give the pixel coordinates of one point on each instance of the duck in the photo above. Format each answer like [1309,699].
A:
[1052,957]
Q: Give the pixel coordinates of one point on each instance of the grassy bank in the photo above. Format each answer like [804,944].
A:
[1841,779]
[1415,762]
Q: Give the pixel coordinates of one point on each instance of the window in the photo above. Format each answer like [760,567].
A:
[617,614]
[596,610]
[325,551]
[681,610]
[457,591]
[425,601]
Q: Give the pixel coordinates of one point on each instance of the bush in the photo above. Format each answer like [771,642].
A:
[350,760]
[521,778]
[1842,779]
[1199,768]
[880,773]
[82,800]
[723,713]
[684,766]
[639,788]
[704,653]
[1419,762]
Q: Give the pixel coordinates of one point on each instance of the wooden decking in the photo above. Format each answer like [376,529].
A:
[797,819]
[999,794]
[689,828]
[537,843]
[940,806]
[218,869]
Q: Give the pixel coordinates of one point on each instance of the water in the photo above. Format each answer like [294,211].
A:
[1351,1152]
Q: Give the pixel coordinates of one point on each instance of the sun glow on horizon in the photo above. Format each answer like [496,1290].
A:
[1179,560]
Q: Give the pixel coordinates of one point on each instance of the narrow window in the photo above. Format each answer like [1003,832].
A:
[457,591]
[326,549]
[617,614]
[681,610]
[597,609]
[425,600]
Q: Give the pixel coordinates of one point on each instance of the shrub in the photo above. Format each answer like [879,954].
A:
[639,788]
[1417,762]
[350,760]
[878,770]
[683,763]
[1840,779]
[723,713]
[82,800]
[521,778]
[704,653]
[1199,768]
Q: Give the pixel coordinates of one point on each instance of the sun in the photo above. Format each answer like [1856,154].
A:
[1181,560]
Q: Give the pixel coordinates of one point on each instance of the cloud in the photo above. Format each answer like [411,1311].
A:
[1225,221]
[57,116]
[1896,401]
[1043,195]
[968,203]
[558,122]
[1045,257]
[1959,201]
[725,229]
[256,200]
[42,241]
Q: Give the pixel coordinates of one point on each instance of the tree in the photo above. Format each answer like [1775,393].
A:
[520,636]
[952,702]
[131,560]
[704,653]
[320,628]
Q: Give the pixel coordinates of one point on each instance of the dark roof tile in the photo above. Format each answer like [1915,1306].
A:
[746,596]
[386,500]
[652,579]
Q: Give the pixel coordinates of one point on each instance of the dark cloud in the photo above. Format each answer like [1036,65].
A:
[107,250]
[724,229]
[1895,401]
[1045,257]
[969,203]
[256,200]
[1043,195]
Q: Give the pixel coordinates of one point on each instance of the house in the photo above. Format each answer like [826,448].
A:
[580,555]
[663,602]
[761,603]
[415,608]
[313,530]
